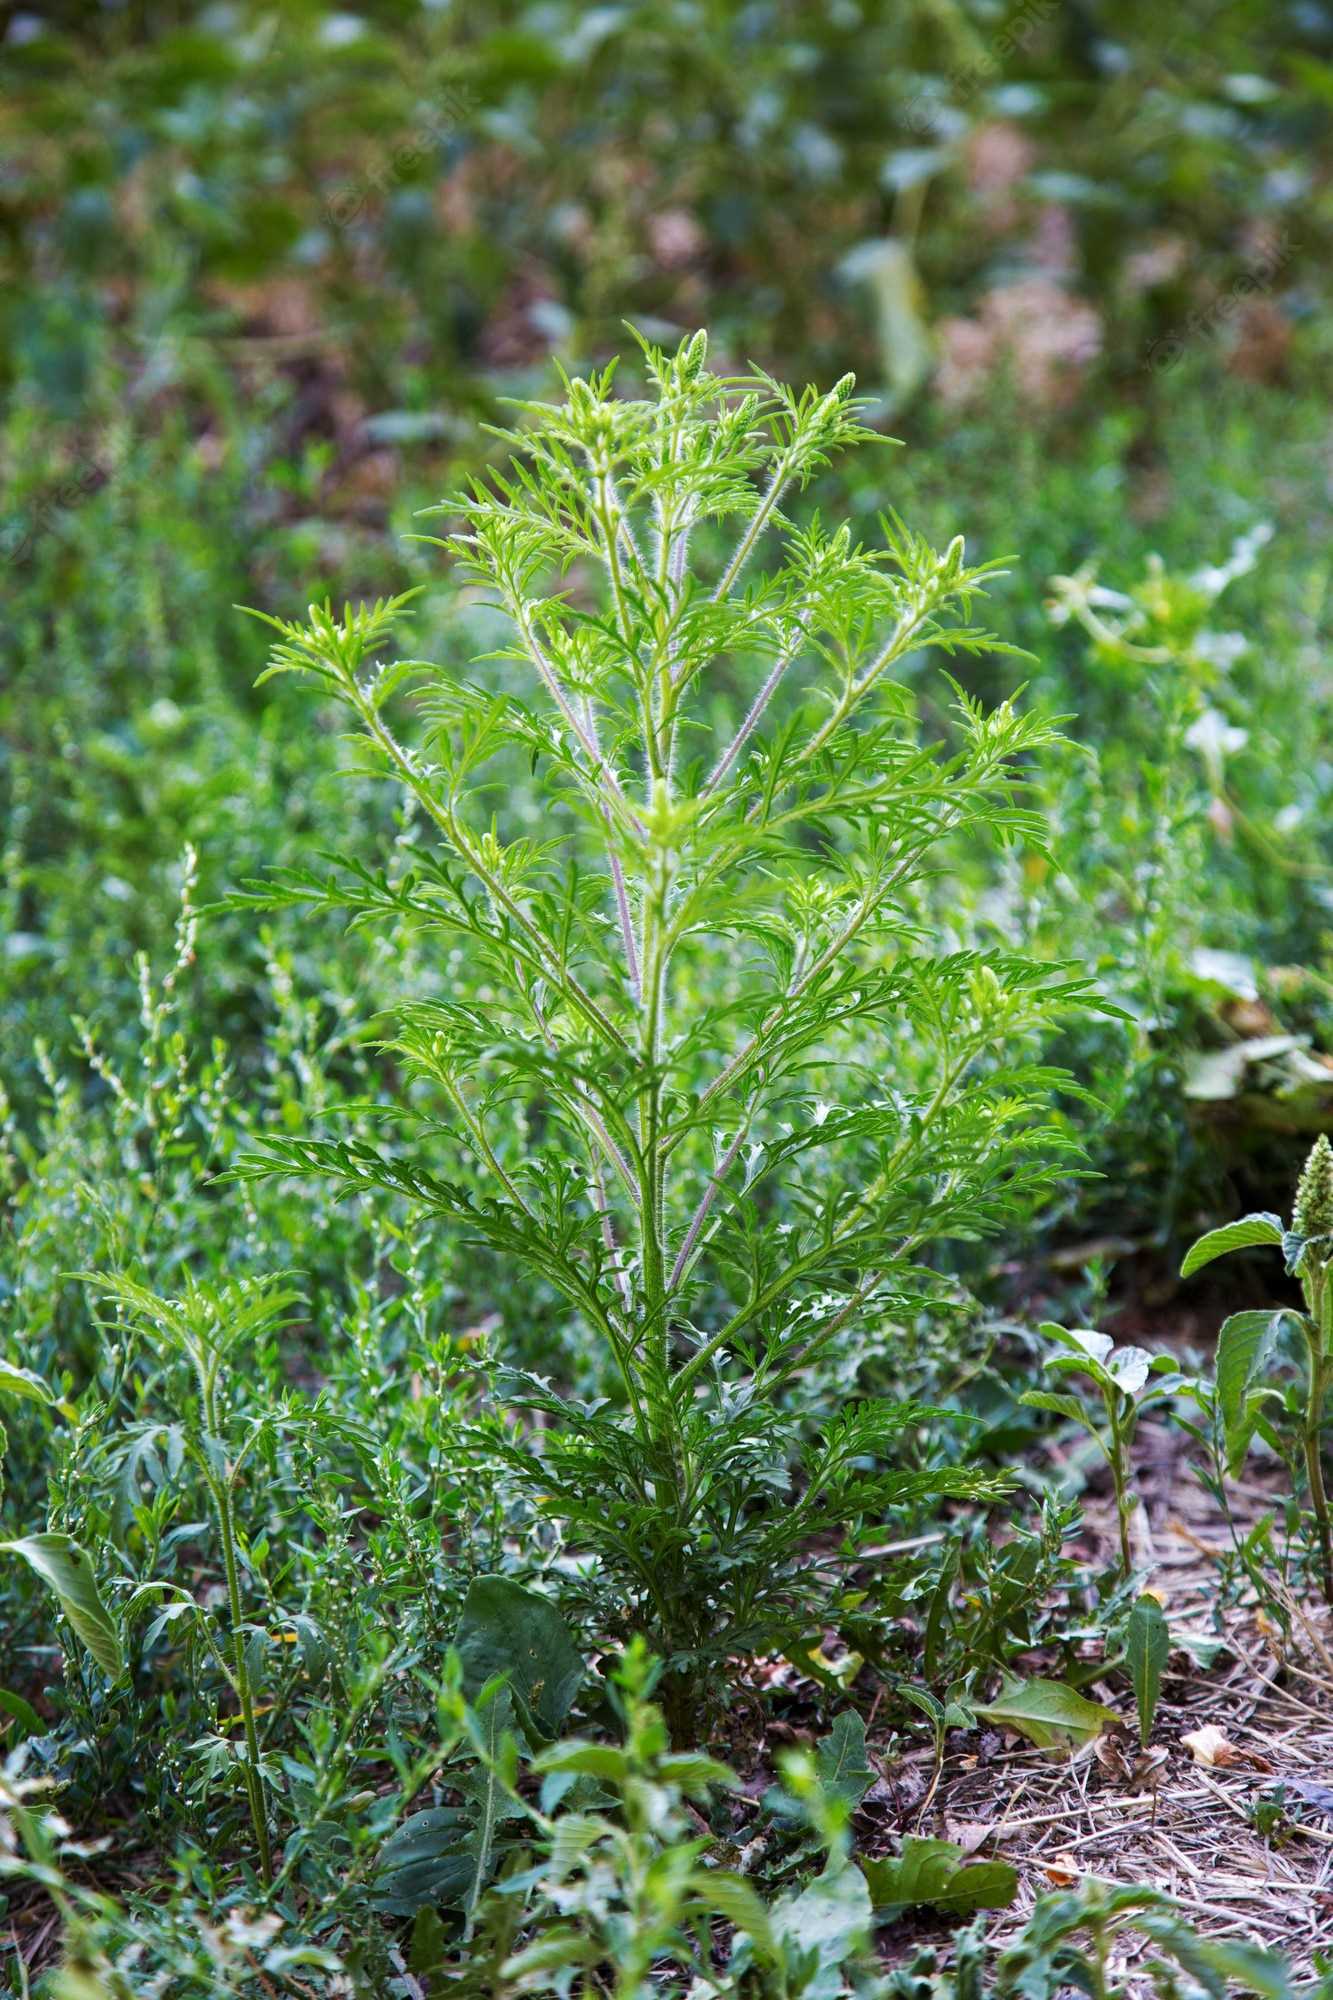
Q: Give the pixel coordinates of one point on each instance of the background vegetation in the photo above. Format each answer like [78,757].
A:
[266,275]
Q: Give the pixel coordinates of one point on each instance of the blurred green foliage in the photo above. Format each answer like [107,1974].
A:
[264,273]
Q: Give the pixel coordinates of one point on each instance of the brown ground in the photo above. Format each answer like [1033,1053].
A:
[1060,1817]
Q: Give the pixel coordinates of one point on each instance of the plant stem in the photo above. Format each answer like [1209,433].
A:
[1120,1480]
[254,1784]
[1314,1467]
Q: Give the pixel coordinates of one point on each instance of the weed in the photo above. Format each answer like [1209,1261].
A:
[1128,1380]
[678,972]
[1248,1342]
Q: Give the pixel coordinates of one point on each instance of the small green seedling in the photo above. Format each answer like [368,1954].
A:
[1248,1340]
[1128,1380]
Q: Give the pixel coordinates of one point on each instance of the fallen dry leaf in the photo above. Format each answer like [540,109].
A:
[970,1834]
[1212,1746]
[1112,1759]
[1061,1871]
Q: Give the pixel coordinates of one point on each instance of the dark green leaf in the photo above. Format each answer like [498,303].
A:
[1244,1344]
[841,1759]
[1147,1646]
[507,1630]
[932,1872]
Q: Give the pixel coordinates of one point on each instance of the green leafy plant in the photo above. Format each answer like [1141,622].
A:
[1128,1381]
[205,1324]
[609,1876]
[951,1713]
[1147,1649]
[1048,1713]
[515,1674]
[934,1872]
[1071,1938]
[61,1563]
[712,935]
[1248,1341]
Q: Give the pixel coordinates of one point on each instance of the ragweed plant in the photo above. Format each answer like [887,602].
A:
[720,1088]
[1249,1341]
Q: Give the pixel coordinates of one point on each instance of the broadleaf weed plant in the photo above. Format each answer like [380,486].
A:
[1249,1342]
[1128,1380]
[651,1028]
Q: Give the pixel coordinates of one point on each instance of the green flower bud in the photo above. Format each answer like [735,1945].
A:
[1313,1212]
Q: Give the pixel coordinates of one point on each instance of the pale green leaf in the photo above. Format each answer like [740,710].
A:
[1250,1231]
[22,1382]
[67,1571]
[1047,1712]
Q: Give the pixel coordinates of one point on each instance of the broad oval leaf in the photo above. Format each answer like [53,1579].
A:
[426,1862]
[1129,1368]
[65,1568]
[828,1920]
[508,1630]
[1047,1713]
[1243,1235]
[1082,1339]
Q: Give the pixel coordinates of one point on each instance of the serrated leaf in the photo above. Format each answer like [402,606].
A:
[1244,1343]
[1047,1712]
[1246,1234]
[65,1568]
[1147,1647]
[932,1872]
[841,1759]
[505,1629]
